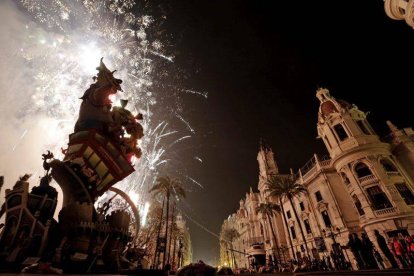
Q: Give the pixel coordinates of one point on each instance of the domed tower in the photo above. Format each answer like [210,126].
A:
[379,188]
[267,165]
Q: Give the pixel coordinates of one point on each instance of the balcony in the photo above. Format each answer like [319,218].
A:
[325,164]
[256,241]
[391,174]
[387,211]
[256,246]
[367,179]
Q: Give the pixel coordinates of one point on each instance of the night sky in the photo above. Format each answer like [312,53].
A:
[261,63]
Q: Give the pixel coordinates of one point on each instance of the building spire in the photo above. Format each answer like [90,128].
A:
[263,145]
[323,94]
[391,126]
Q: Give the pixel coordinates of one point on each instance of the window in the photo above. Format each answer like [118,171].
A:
[388,166]
[345,178]
[362,170]
[318,196]
[302,206]
[307,226]
[326,219]
[363,127]
[378,198]
[340,132]
[288,215]
[293,232]
[261,230]
[358,205]
[405,193]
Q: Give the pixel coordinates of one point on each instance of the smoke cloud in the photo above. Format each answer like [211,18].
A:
[22,138]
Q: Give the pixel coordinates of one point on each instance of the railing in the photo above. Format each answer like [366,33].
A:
[310,172]
[256,241]
[393,174]
[386,211]
[308,166]
[367,178]
[326,163]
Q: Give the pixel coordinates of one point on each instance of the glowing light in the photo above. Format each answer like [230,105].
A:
[67,40]
[134,197]
[89,54]
[144,213]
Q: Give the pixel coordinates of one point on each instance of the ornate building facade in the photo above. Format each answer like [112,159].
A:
[365,184]
[400,10]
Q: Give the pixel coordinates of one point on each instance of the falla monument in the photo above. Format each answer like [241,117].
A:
[85,238]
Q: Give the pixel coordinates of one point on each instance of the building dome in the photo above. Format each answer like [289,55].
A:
[327,108]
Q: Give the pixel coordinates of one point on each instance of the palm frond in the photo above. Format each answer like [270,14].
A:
[285,187]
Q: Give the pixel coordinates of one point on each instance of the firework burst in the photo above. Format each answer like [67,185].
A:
[63,45]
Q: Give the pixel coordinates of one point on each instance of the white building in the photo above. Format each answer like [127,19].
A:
[365,184]
[400,10]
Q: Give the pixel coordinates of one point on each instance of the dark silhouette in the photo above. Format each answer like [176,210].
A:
[355,244]
[367,252]
[379,259]
[382,243]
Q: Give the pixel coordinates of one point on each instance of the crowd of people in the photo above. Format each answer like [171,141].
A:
[398,251]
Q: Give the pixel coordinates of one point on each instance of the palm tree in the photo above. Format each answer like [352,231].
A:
[268,210]
[155,261]
[286,187]
[229,235]
[166,187]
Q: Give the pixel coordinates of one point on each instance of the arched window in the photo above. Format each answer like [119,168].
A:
[345,178]
[340,132]
[388,166]
[362,170]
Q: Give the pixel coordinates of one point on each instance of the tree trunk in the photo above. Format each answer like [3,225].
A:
[274,238]
[287,228]
[173,256]
[166,230]
[171,230]
[158,236]
[300,227]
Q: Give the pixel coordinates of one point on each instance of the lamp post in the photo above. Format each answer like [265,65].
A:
[337,249]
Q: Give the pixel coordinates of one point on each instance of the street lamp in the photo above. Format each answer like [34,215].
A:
[331,233]
[337,248]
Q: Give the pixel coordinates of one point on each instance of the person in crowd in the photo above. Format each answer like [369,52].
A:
[379,259]
[367,252]
[409,240]
[398,250]
[355,244]
[382,243]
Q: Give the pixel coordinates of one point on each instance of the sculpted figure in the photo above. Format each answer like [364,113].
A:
[125,121]
[95,110]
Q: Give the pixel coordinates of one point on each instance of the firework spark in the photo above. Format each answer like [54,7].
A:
[62,44]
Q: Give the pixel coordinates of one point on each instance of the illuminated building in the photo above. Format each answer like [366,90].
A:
[365,184]
[400,10]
